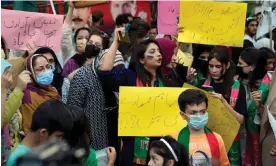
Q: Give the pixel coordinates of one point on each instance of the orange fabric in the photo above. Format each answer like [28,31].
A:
[201,143]
[27,110]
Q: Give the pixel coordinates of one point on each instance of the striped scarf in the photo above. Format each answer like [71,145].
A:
[234,152]
[184,138]
[141,144]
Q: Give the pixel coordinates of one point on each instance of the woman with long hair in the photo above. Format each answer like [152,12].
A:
[229,91]
[250,130]
[145,71]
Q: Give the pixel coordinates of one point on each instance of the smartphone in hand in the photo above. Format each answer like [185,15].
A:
[207,88]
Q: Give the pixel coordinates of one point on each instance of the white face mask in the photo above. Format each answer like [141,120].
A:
[81,44]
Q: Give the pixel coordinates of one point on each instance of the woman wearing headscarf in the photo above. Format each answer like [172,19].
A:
[40,90]
[55,65]
[170,67]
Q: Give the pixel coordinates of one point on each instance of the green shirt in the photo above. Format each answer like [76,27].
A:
[92,159]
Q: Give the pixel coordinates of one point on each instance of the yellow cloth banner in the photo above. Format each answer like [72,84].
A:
[213,23]
[146,111]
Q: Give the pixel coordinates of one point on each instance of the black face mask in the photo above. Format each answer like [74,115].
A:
[91,51]
[241,73]
[203,66]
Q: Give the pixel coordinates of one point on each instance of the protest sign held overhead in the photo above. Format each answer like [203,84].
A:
[168,11]
[213,23]
[155,112]
[20,28]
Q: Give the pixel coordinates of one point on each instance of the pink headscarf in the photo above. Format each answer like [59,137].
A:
[167,50]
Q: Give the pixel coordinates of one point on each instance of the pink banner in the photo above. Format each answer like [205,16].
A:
[168,11]
[19,28]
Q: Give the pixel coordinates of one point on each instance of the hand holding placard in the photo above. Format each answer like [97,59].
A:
[19,28]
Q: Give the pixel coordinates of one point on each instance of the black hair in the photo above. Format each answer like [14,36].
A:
[137,31]
[122,19]
[221,54]
[96,19]
[161,149]
[58,77]
[249,20]
[200,48]
[136,66]
[265,54]
[153,26]
[79,135]
[78,31]
[3,46]
[191,97]
[52,115]
[251,56]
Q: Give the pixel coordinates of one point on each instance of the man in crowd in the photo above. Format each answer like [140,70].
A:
[81,16]
[153,32]
[122,7]
[196,136]
[50,119]
[250,30]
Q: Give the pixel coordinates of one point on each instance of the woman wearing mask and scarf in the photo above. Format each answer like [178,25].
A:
[55,65]
[81,37]
[40,90]
[86,92]
[250,130]
[170,67]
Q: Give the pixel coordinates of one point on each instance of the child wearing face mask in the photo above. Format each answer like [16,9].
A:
[196,136]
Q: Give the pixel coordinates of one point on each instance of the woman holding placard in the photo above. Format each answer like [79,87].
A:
[144,71]
[229,91]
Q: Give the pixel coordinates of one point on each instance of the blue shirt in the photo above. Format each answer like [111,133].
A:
[18,152]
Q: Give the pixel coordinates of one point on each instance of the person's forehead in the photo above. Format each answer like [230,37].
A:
[40,61]
[95,38]
[152,46]
[83,33]
[195,107]
[214,61]
[253,23]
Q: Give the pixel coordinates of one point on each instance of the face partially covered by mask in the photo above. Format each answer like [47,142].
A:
[198,121]
[81,44]
[91,51]
[45,78]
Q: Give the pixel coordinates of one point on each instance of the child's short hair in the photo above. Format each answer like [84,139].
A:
[52,115]
[191,97]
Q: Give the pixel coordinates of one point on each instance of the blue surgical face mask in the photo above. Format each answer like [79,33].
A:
[198,121]
[45,78]
[53,67]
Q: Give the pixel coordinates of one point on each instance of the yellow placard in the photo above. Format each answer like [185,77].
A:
[185,58]
[147,111]
[213,23]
